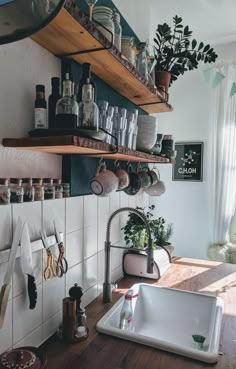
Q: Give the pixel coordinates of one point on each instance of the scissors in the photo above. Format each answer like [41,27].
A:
[62,265]
[49,271]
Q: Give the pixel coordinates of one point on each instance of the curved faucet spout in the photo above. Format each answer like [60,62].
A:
[107,292]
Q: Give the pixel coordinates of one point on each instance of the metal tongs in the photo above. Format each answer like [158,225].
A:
[62,265]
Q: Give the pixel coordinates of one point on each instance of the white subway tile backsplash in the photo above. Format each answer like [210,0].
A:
[83,220]
[74,275]
[32,214]
[54,210]
[53,294]
[90,272]
[74,247]
[90,241]
[90,210]
[5,226]
[6,330]
[24,319]
[74,214]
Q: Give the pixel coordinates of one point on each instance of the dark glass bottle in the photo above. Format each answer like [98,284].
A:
[40,108]
[86,74]
[52,101]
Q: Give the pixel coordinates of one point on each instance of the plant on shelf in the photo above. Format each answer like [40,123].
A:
[135,234]
[176,52]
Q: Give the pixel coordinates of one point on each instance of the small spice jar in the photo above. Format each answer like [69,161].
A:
[58,188]
[49,189]
[29,191]
[17,191]
[128,48]
[38,189]
[66,189]
[118,29]
[5,193]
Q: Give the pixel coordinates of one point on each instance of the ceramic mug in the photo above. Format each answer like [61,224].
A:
[104,182]
[157,190]
[123,177]
[154,175]
[134,183]
[146,180]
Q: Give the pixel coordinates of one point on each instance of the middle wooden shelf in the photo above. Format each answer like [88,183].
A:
[83,146]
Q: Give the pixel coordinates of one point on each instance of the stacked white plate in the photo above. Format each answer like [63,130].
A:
[147,132]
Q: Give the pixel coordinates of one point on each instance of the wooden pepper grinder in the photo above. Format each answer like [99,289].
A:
[76,294]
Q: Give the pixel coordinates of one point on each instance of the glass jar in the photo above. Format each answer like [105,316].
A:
[38,189]
[142,63]
[66,189]
[5,193]
[104,15]
[118,29]
[17,191]
[58,188]
[29,191]
[49,189]
[128,49]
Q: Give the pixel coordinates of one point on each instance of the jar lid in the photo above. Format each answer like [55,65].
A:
[56,181]
[17,181]
[48,180]
[4,181]
[27,180]
[66,185]
[38,181]
[22,358]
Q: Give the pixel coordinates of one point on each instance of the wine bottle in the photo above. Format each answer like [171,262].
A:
[88,109]
[40,108]
[52,101]
[86,74]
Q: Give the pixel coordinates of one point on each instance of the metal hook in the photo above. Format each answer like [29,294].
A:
[101,160]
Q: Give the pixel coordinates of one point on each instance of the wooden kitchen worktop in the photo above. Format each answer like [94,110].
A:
[100,351]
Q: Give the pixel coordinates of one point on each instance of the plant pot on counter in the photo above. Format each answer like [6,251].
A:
[162,79]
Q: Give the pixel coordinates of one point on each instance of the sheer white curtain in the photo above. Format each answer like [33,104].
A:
[223,163]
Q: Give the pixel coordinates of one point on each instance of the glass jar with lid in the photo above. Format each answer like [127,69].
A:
[49,189]
[104,16]
[58,188]
[142,61]
[5,193]
[29,191]
[38,189]
[66,189]
[128,48]
[118,29]
[17,191]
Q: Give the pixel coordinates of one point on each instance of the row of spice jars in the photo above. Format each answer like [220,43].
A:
[17,190]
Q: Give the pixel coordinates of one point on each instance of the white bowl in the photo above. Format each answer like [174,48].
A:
[145,141]
[147,119]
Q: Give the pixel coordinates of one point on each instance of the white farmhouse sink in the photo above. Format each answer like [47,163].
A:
[166,318]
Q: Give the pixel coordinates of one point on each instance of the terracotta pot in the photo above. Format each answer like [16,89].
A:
[163,81]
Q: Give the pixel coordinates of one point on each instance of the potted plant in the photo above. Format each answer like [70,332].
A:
[176,53]
[135,234]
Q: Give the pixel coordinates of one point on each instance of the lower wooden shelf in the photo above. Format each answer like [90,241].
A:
[82,146]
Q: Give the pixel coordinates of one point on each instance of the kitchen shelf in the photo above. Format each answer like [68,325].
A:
[80,145]
[71,31]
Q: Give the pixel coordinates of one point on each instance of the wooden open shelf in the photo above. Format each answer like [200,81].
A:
[80,145]
[71,31]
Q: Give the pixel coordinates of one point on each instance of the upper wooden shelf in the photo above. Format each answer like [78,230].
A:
[80,145]
[72,31]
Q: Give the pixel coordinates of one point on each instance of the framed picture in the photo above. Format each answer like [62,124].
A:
[189,161]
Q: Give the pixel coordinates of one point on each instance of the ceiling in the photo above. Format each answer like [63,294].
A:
[212,21]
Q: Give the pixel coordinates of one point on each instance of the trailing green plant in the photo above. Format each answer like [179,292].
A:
[176,52]
[135,234]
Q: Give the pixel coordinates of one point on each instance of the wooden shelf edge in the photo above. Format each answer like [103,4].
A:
[71,30]
[69,144]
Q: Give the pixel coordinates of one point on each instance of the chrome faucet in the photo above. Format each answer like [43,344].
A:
[107,286]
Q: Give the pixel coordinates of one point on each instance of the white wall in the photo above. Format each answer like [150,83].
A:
[187,204]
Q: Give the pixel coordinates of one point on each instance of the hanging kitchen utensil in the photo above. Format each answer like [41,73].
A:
[27,266]
[50,270]
[23,357]
[6,287]
[22,18]
[62,265]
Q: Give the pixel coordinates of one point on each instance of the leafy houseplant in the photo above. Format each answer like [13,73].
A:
[176,52]
[135,231]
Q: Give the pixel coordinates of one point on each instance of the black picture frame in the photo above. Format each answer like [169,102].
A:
[189,162]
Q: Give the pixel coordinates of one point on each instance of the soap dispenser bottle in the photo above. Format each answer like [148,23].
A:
[126,315]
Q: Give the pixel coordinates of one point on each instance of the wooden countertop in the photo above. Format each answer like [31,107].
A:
[100,351]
